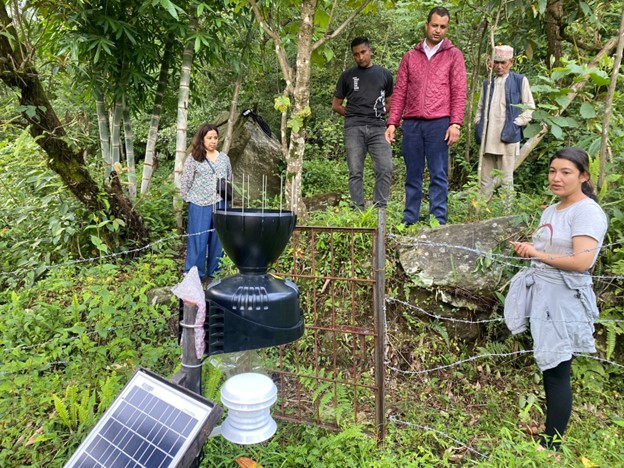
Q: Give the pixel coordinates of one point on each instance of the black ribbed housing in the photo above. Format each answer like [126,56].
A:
[252,309]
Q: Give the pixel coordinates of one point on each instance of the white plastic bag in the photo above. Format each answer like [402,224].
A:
[190,290]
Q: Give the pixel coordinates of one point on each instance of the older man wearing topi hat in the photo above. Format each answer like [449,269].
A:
[504,123]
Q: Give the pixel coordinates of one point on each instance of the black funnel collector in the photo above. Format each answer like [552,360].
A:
[252,309]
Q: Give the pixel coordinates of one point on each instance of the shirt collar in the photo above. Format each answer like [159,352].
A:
[431,51]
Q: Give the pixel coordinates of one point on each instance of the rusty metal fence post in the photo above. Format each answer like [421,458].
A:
[379,303]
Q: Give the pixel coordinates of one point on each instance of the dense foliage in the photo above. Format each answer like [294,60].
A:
[76,317]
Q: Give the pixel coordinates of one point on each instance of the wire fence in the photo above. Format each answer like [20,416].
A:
[398,240]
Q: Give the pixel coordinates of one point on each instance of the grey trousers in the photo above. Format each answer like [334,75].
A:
[358,141]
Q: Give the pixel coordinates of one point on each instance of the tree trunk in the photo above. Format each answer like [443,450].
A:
[485,115]
[474,82]
[301,108]
[48,132]
[299,88]
[554,23]
[284,130]
[532,142]
[129,142]
[182,122]
[150,162]
[227,141]
[609,103]
[103,129]
[116,136]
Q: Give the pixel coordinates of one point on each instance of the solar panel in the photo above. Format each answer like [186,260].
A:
[152,423]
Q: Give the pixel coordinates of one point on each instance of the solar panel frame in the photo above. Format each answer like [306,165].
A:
[152,423]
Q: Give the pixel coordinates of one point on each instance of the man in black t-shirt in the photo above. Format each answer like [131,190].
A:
[367,89]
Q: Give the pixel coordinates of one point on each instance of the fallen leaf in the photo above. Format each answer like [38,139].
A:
[245,462]
[587,463]
[33,438]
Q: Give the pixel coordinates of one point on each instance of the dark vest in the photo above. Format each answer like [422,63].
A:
[511,133]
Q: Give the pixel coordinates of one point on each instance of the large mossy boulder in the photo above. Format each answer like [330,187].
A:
[255,156]
[451,271]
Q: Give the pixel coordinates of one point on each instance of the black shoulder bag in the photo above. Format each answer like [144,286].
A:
[224,186]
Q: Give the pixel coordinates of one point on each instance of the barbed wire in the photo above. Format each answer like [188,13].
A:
[103,257]
[500,257]
[498,319]
[441,317]
[393,419]
[67,341]
[490,355]
[76,337]
[413,241]
[456,363]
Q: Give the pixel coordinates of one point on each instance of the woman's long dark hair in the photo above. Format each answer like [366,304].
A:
[198,150]
[581,160]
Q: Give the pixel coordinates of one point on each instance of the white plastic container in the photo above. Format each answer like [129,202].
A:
[248,398]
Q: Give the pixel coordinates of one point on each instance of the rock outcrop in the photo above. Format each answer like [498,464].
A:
[452,271]
[255,156]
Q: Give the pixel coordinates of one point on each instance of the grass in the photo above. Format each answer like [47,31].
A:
[83,329]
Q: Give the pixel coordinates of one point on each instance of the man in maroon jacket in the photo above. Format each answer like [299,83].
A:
[430,97]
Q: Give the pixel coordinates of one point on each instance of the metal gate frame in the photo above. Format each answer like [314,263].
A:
[314,378]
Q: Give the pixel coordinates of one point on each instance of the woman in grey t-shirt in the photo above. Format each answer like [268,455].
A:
[560,301]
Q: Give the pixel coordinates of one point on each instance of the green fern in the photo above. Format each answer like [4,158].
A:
[108,391]
[71,399]
[612,333]
[343,404]
[86,415]
[212,382]
[62,411]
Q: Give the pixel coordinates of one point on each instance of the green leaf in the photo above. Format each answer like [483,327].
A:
[101,329]
[599,77]
[586,9]
[170,7]
[545,105]
[321,18]
[587,111]
[282,103]
[556,131]
[562,100]
[543,88]
[61,409]
[540,115]
[542,6]
[531,130]
[30,111]
[618,421]
[565,121]
[295,123]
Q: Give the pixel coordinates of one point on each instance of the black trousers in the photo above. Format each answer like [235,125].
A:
[558,389]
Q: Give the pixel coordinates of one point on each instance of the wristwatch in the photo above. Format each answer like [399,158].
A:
[457,126]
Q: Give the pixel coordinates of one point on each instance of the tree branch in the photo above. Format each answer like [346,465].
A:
[281,53]
[609,103]
[328,37]
[532,142]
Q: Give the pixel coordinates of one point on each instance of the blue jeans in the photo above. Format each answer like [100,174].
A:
[201,243]
[359,140]
[423,140]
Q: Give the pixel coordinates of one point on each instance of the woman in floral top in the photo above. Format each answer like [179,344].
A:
[202,169]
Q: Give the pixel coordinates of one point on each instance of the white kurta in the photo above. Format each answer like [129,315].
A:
[498,110]
[499,155]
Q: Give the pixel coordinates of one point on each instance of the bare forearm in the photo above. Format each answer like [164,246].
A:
[580,260]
